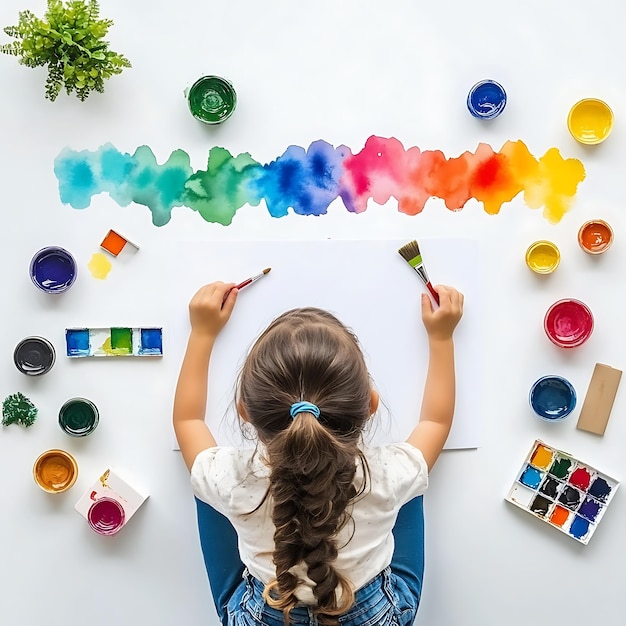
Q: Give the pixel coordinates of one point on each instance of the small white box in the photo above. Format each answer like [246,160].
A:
[111,485]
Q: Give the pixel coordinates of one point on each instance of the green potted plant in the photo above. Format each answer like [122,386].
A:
[69,40]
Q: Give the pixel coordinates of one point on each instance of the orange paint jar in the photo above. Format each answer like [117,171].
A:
[55,471]
[595,236]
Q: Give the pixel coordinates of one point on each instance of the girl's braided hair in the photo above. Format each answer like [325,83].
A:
[308,354]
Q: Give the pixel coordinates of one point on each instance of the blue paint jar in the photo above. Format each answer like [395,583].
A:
[53,269]
[552,398]
[486,99]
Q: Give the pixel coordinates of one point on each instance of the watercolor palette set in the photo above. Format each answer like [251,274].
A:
[564,492]
[115,341]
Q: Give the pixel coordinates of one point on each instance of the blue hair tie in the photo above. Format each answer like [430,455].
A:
[304,407]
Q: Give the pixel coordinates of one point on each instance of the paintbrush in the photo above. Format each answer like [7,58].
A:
[412,255]
[248,281]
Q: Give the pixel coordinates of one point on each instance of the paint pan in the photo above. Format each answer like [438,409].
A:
[552,398]
[114,243]
[106,516]
[34,356]
[543,257]
[53,269]
[568,323]
[590,121]
[211,99]
[486,99]
[55,471]
[595,236]
[562,491]
[114,341]
[78,417]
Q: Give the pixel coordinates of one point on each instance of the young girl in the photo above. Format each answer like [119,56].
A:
[312,526]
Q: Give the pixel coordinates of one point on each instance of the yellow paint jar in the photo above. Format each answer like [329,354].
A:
[590,121]
[543,257]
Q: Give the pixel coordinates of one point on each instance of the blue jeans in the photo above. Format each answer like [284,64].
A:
[391,598]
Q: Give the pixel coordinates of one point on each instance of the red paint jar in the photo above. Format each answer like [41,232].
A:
[568,323]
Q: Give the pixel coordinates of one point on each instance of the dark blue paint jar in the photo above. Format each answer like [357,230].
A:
[486,99]
[53,269]
[552,398]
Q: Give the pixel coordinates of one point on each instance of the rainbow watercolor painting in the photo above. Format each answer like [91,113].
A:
[309,180]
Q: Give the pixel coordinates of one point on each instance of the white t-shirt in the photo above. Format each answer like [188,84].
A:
[234,480]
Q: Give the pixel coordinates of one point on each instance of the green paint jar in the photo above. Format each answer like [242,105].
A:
[78,417]
[211,99]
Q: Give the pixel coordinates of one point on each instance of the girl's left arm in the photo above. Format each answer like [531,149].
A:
[209,310]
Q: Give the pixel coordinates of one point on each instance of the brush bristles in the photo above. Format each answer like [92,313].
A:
[266,270]
[409,251]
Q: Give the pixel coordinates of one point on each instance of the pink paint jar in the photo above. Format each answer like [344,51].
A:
[106,516]
[568,323]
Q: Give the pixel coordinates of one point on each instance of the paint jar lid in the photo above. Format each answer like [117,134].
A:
[53,269]
[486,99]
[106,516]
[211,99]
[568,323]
[590,121]
[595,236]
[55,470]
[543,257]
[552,398]
[78,417]
[34,356]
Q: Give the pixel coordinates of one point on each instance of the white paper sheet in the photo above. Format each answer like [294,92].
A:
[371,288]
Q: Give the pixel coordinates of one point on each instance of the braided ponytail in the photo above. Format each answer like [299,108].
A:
[308,353]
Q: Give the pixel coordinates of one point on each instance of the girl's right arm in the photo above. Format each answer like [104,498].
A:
[209,311]
[438,400]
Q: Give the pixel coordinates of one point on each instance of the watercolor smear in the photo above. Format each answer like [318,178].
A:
[308,180]
[99,266]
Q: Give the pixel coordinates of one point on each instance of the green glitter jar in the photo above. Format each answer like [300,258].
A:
[211,99]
